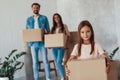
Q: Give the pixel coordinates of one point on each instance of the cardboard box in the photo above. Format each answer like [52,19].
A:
[113,72]
[87,69]
[55,40]
[32,35]
[72,41]
[92,69]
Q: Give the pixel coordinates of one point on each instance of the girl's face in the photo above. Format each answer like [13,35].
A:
[56,19]
[85,33]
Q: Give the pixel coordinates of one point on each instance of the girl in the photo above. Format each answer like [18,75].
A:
[58,53]
[86,47]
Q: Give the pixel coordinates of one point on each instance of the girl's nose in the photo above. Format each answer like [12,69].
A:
[85,34]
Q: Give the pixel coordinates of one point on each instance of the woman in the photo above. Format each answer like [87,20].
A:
[58,53]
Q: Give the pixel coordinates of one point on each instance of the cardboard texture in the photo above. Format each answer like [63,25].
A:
[90,70]
[32,35]
[55,40]
[113,73]
[87,69]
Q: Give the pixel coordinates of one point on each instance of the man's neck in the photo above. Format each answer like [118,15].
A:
[36,15]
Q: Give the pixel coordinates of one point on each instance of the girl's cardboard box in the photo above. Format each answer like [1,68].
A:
[93,69]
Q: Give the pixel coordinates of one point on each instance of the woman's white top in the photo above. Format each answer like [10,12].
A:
[57,30]
[85,51]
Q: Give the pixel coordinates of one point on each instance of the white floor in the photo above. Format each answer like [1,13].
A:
[42,77]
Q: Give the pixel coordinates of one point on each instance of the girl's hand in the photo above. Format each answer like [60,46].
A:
[72,58]
[108,62]
[107,69]
[67,71]
[108,65]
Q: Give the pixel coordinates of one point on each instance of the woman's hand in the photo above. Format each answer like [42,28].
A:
[49,48]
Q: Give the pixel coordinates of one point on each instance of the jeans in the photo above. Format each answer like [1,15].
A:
[58,54]
[43,52]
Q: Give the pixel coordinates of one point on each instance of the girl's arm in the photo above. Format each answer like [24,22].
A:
[67,71]
[74,53]
[72,57]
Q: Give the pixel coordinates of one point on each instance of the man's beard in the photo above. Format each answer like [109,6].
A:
[36,12]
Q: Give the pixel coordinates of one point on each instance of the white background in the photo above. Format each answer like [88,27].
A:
[104,15]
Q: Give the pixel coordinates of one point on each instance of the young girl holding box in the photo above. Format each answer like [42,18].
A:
[87,48]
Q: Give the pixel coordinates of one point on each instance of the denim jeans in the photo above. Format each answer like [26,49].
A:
[43,53]
[58,54]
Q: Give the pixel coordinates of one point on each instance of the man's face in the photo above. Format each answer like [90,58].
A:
[35,9]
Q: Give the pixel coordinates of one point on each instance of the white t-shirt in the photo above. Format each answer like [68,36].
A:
[36,23]
[85,51]
[57,30]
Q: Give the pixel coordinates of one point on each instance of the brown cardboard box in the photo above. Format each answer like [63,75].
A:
[113,72]
[92,68]
[72,41]
[55,40]
[87,69]
[32,35]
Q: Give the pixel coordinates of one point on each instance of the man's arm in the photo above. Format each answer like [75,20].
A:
[47,27]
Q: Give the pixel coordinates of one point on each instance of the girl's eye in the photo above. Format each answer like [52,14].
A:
[82,32]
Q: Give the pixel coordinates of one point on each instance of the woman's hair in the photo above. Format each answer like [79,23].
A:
[55,24]
[80,40]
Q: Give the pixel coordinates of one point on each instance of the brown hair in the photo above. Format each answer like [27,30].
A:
[55,24]
[80,40]
[35,4]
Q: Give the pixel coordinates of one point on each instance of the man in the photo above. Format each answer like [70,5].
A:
[33,22]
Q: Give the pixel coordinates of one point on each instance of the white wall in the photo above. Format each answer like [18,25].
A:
[13,16]
[117,19]
[103,15]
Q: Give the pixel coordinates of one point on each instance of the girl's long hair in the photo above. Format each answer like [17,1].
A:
[55,24]
[80,40]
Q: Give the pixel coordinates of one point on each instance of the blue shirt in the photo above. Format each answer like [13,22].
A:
[42,23]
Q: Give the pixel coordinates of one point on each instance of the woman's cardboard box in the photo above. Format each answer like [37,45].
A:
[55,40]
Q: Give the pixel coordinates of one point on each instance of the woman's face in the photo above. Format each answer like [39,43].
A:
[56,19]
[85,33]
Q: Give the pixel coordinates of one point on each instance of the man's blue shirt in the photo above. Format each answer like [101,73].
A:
[42,23]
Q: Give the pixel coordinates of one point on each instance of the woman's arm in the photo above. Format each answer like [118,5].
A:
[67,35]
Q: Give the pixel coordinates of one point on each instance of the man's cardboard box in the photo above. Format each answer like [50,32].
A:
[55,40]
[87,69]
[32,35]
